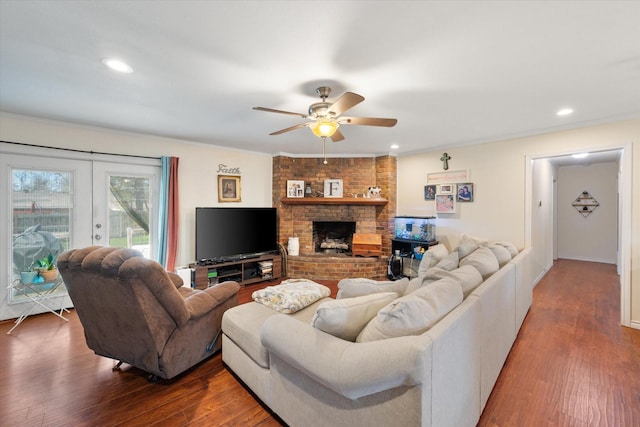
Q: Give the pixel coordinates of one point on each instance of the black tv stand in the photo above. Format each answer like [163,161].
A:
[245,270]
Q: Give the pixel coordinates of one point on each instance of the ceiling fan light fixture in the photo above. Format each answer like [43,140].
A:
[324,128]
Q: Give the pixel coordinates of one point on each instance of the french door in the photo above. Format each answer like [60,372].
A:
[53,204]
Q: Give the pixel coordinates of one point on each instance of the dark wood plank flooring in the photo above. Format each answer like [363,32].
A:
[573,364]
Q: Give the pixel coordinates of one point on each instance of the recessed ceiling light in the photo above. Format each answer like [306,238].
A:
[579,155]
[394,146]
[564,112]
[117,65]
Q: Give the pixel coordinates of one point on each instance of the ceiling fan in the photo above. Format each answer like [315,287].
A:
[326,117]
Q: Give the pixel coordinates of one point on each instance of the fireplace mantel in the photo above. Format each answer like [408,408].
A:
[362,201]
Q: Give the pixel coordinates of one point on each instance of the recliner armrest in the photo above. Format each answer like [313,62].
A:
[351,369]
[175,279]
[200,303]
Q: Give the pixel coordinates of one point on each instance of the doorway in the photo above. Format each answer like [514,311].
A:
[536,199]
[51,204]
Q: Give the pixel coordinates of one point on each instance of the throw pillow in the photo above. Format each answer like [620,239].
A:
[432,257]
[483,260]
[450,262]
[415,313]
[502,254]
[510,247]
[291,295]
[349,288]
[345,318]
[478,241]
[439,251]
[465,249]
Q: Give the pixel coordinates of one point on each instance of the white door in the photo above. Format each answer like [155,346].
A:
[50,204]
[125,206]
[45,208]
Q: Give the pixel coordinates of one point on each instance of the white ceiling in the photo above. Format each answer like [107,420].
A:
[452,73]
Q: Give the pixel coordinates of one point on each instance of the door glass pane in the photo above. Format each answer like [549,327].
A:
[42,208]
[129,213]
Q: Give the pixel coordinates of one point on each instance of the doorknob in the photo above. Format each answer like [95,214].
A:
[97,237]
[98,225]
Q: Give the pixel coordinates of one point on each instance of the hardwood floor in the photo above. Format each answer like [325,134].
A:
[572,365]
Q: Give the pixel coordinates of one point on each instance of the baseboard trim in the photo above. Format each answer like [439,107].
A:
[634,324]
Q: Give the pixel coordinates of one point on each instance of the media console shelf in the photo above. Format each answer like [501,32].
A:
[245,272]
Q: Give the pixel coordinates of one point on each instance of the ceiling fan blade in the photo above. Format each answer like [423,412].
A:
[368,121]
[337,136]
[271,110]
[281,131]
[345,102]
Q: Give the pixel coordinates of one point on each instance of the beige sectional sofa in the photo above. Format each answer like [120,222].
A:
[441,377]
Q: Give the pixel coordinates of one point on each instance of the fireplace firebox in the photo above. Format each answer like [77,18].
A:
[333,237]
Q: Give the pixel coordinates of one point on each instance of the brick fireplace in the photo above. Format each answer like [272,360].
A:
[296,216]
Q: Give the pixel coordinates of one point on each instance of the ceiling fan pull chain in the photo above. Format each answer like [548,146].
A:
[324,151]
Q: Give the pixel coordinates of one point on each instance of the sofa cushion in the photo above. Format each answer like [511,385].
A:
[415,313]
[242,325]
[345,318]
[448,263]
[501,253]
[513,250]
[478,241]
[467,276]
[349,288]
[432,257]
[483,260]
[465,249]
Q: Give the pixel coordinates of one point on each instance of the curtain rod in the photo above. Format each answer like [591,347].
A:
[81,151]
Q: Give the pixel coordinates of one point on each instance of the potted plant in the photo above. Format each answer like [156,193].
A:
[28,274]
[47,268]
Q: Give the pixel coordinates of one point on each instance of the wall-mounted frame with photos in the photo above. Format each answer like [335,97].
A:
[447,189]
[465,192]
[430,192]
[445,203]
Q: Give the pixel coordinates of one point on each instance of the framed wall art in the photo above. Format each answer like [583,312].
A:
[445,203]
[295,188]
[447,189]
[429,192]
[228,188]
[465,192]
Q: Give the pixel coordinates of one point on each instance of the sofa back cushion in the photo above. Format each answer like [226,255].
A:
[349,288]
[448,263]
[414,313]
[345,318]
[501,253]
[467,276]
[483,260]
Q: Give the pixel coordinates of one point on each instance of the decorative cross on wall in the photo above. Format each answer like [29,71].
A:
[445,161]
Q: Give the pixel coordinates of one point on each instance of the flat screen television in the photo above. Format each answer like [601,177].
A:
[235,233]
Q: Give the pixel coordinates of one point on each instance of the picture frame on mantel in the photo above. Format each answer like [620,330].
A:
[229,188]
[333,188]
[295,189]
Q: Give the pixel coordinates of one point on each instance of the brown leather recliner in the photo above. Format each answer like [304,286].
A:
[133,311]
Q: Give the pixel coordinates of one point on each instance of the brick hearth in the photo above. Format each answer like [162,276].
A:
[296,220]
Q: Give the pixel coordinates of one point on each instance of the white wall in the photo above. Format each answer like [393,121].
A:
[499,173]
[592,238]
[542,211]
[198,164]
